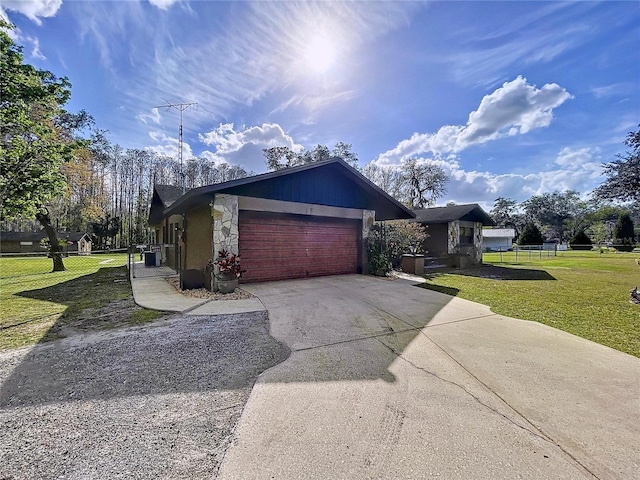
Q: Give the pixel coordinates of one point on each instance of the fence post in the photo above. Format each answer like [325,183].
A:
[130,263]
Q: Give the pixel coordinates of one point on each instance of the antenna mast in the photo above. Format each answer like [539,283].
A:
[181,107]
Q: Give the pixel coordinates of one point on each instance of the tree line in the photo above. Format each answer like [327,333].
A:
[108,190]
[565,218]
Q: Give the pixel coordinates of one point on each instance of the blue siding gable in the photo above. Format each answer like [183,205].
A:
[320,187]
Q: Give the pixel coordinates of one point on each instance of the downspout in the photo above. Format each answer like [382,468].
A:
[183,255]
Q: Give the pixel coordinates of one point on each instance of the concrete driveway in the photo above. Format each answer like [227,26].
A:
[387,380]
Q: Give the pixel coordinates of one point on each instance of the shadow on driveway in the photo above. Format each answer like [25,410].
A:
[183,355]
[159,401]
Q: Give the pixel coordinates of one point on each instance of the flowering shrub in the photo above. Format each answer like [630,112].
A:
[388,241]
[228,264]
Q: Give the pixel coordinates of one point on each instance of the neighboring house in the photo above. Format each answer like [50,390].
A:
[455,233]
[29,242]
[21,242]
[298,222]
[498,239]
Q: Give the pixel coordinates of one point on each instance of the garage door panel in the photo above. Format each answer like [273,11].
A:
[276,247]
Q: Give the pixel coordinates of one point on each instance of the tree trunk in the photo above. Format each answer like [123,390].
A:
[54,244]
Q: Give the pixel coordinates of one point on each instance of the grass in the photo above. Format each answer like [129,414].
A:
[39,305]
[583,293]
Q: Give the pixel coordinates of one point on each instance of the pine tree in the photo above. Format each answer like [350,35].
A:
[623,234]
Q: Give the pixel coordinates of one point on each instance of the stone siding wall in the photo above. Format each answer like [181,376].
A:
[453,237]
[477,242]
[225,227]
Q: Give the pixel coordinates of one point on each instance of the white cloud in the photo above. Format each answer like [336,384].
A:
[614,89]
[162,4]
[515,108]
[153,116]
[540,36]
[253,51]
[573,169]
[516,105]
[244,146]
[569,157]
[34,10]
[169,146]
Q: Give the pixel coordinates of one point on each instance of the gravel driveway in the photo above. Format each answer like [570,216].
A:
[159,401]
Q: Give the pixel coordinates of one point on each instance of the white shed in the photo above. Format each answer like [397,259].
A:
[497,239]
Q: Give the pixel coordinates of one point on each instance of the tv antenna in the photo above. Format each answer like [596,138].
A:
[181,107]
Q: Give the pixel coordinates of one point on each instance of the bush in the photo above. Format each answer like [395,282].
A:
[623,234]
[530,235]
[580,241]
[388,241]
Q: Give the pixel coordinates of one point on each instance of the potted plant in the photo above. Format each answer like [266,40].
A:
[229,271]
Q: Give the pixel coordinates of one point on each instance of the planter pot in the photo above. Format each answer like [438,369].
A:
[227,283]
[413,264]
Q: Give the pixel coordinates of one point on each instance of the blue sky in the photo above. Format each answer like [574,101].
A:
[511,98]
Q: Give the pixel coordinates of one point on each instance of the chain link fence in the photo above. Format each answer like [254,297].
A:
[33,263]
[532,252]
[142,261]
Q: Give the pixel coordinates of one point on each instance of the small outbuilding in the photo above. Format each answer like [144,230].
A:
[78,242]
[455,233]
[298,222]
[498,239]
[29,242]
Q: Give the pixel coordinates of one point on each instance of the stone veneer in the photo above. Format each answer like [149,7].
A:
[477,242]
[453,241]
[225,225]
[453,237]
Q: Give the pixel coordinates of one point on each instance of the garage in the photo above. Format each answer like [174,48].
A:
[280,246]
[305,221]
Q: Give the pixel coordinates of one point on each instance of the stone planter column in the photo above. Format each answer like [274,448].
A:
[225,227]
[413,264]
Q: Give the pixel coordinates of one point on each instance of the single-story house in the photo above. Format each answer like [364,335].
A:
[166,229]
[21,242]
[498,239]
[455,233]
[29,242]
[298,222]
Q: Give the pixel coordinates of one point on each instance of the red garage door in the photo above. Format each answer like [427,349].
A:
[278,247]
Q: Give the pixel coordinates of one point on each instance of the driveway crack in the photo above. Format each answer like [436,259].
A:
[539,433]
[428,372]
[357,339]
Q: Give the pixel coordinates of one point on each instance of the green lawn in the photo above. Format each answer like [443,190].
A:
[38,305]
[584,293]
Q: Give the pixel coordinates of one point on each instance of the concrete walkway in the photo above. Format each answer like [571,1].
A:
[157,294]
[387,380]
